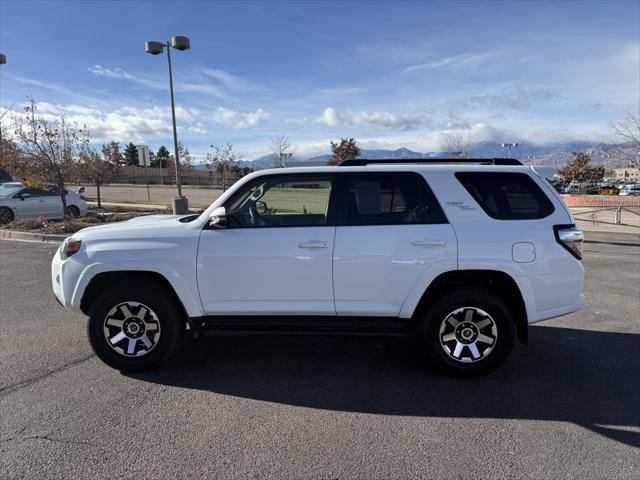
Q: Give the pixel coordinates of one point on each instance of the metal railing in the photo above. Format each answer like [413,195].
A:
[617,210]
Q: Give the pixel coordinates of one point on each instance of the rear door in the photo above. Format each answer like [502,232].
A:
[391,233]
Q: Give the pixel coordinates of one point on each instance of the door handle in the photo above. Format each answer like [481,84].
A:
[428,243]
[313,244]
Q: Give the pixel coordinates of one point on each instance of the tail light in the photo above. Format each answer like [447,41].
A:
[571,238]
[69,247]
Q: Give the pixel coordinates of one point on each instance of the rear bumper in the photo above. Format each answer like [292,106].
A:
[556,294]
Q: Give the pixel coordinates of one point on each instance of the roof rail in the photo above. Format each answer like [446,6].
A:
[360,162]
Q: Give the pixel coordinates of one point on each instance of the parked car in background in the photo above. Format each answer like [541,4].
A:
[632,190]
[18,201]
[601,190]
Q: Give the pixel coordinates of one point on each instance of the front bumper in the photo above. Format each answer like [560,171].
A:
[63,281]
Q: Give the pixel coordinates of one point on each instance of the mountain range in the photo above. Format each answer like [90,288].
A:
[527,152]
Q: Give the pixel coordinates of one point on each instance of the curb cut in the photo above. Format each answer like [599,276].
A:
[30,237]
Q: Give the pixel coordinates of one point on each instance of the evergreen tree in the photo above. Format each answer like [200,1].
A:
[131,154]
[161,157]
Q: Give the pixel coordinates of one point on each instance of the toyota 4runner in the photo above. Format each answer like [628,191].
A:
[463,254]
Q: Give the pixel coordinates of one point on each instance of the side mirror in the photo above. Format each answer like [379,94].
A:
[24,195]
[218,218]
[81,190]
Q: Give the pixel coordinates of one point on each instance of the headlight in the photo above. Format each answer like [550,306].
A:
[69,247]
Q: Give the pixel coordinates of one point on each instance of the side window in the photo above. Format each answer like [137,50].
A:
[389,199]
[507,196]
[36,192]
[281,201]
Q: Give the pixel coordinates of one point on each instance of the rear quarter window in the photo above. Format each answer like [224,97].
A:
[507,196]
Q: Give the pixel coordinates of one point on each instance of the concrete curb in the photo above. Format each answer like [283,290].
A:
[31,237]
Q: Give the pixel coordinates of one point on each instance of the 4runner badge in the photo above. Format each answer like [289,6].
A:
[461,205]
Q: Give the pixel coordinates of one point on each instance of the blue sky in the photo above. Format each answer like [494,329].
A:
[390,74]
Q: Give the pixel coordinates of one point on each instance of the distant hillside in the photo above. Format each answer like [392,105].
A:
[526,152]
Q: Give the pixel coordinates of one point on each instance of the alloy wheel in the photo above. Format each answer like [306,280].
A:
[73,211]
[5,216]
[131,329]
[468,334]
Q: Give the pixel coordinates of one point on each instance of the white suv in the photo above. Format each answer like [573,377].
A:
[463,254]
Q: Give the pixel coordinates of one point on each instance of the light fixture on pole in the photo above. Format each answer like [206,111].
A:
[180,203]
[510,146]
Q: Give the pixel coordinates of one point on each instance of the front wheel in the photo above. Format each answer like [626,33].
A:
[134,328]
[469,332]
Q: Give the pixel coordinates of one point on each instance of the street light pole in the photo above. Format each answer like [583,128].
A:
[180,204]
[509,146]
[3,60]
[173,119]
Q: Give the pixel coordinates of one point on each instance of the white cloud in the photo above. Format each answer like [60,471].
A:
[100,71]
[468,60]
[234,119]
[163,113]
[379,120]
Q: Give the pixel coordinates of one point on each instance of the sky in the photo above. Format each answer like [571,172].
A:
[390,74]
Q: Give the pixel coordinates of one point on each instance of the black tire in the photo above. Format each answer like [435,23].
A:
[73,211]
[162,313]
[437,325]
[6,215]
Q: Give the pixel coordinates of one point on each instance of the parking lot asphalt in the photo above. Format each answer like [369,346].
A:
[565,406]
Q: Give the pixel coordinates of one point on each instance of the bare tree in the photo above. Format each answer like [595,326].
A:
[628,128]
[223,159]
[186,162]
[49,150]
[579,169]
[98,169]
[280,147]
[456,142]
[111,152]
[347,149]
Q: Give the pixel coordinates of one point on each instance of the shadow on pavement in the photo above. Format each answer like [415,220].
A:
[587,377]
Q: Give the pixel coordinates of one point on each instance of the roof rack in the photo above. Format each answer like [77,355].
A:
[360,162]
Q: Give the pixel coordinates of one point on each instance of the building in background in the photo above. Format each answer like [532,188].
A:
[628,174]
[144,159]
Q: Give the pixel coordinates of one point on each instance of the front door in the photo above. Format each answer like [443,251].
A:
[275,255]
[44,203]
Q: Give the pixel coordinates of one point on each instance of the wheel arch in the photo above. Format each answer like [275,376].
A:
[101,281]
[498,282]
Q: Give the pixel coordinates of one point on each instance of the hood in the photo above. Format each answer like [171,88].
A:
[146,226]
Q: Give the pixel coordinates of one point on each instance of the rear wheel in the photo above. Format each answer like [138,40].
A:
[6,215]
[469,332]
[132,327]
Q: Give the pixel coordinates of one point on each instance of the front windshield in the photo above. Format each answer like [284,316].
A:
[8,190]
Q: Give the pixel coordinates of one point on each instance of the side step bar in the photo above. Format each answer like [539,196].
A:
[293,325]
